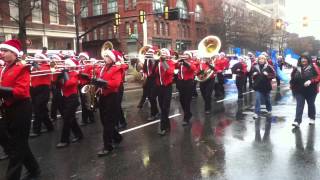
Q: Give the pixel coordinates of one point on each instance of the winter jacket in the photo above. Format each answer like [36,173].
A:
[262,82]
[300,75]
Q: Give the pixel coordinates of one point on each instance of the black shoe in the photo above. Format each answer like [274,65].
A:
[185,123]
[76,139]
[163,132]
[33,135]
[103,153]
[3,157]
[32,176]
[122,126]
[62,145]
[83,123]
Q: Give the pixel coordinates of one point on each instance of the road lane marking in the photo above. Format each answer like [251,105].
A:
[147,124]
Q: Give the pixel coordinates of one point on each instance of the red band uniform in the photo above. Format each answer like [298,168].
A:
[164,72]
[16,112]
[68,81]
[206,87]
[109,79]
[86,72]
[149,84]
[185,83]
[221,64]
[40,94]
[124,67]
[240,69]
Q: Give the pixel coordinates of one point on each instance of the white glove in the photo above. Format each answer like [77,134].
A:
[307,83]
[255,73]
[265,73]
[238,70]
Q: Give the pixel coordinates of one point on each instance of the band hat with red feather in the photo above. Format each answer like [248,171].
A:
[12,45]
[84,54]
[110,53]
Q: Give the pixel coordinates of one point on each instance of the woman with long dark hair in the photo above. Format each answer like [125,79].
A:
[304,84]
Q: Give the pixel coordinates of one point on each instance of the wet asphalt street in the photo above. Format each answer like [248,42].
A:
[227,144]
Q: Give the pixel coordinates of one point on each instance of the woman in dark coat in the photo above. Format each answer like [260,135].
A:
[304,84]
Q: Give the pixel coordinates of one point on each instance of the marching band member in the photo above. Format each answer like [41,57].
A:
[164,72]
[206,87]
[240,70]
[17,112]
[68,81]
[40,94]
[56,99]
[86,72]
[185,83]
[109,79]
[121,124]
[149,84]
[221,64]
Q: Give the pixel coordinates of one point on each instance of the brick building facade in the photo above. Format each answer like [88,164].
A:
[179,35]
[51,24]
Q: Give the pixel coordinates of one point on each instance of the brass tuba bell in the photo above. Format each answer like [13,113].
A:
[207,48]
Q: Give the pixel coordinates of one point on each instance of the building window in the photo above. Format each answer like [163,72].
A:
[87,37]
[70,13]
[84,8]
[167,29]
[155,27]
[198,13]
[102,33]
[127,24]
[110,32]
[161,28]
[97,7]
[181,4]
[54,11]
[14,11]
[112,6]
[36,11]
[126,4]
[135,28]
[158,5]
[134,4]
[95,35]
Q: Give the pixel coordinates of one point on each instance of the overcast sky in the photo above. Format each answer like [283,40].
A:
[296,10]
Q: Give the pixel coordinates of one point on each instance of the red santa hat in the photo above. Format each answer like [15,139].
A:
[84,54]
[13,45]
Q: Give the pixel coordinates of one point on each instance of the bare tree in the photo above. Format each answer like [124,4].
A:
[25,8]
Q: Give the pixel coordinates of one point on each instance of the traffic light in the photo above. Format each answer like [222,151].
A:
[116,19]
[279,24]
[142,16]
[305,21]
[171,14]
